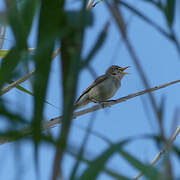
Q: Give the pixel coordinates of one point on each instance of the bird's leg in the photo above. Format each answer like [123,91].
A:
[94,101]
[100,102]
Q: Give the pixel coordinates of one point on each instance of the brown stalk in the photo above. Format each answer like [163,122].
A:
[53,122]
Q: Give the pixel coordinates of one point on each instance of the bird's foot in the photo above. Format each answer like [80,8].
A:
[102,104]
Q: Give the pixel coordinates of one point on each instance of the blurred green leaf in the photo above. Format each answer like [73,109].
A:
[47,34]
[74,19]
[8,65]
[83,147]
[3,53]
[13,118]
[98,164]
[158,3]
[27,13]
[72,37]
[19,87]
[96,134]
[166,169]
[146,19]
[170,11]
[16,24]
[72,150]
[176,149]
[3,18]
[148,171]
[71,46]
[13,58]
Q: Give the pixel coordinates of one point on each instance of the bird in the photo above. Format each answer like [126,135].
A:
[103,88]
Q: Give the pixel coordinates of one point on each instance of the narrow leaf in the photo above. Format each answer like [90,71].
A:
[98,164]
[146,19]
[170,11]
[8,65]
[47,34]
[19,87]
[28,10]
[3,53]
[72,150]
[149,171]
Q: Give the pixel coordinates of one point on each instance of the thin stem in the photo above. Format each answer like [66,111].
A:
[122,29]
[146,19]
[26,77]
[53,122]
[163,151]
[14,84]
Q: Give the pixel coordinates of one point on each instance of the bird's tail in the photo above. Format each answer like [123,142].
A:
[82,101]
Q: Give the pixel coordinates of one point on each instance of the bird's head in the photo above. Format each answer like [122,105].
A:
[117,71]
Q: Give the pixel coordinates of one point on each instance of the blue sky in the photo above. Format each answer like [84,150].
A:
[160,62]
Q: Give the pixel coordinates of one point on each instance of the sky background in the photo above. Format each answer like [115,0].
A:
[159,60]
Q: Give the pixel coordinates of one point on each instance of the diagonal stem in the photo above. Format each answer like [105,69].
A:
[166,147]
[21,80]
[116,12]
[53,122]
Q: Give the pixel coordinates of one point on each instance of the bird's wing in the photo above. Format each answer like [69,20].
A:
[97,81]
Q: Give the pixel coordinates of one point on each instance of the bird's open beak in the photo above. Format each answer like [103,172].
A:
[122,69]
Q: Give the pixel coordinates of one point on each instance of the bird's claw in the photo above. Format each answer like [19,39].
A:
[102,104]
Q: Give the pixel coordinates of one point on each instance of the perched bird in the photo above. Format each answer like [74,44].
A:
[103,88]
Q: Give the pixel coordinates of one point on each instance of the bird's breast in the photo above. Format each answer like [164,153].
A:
[104,90]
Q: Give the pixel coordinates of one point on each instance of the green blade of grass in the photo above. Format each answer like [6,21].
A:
[19,87]
[3,53]
[148,171]
[72,150]
[95,168]
[169,11]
